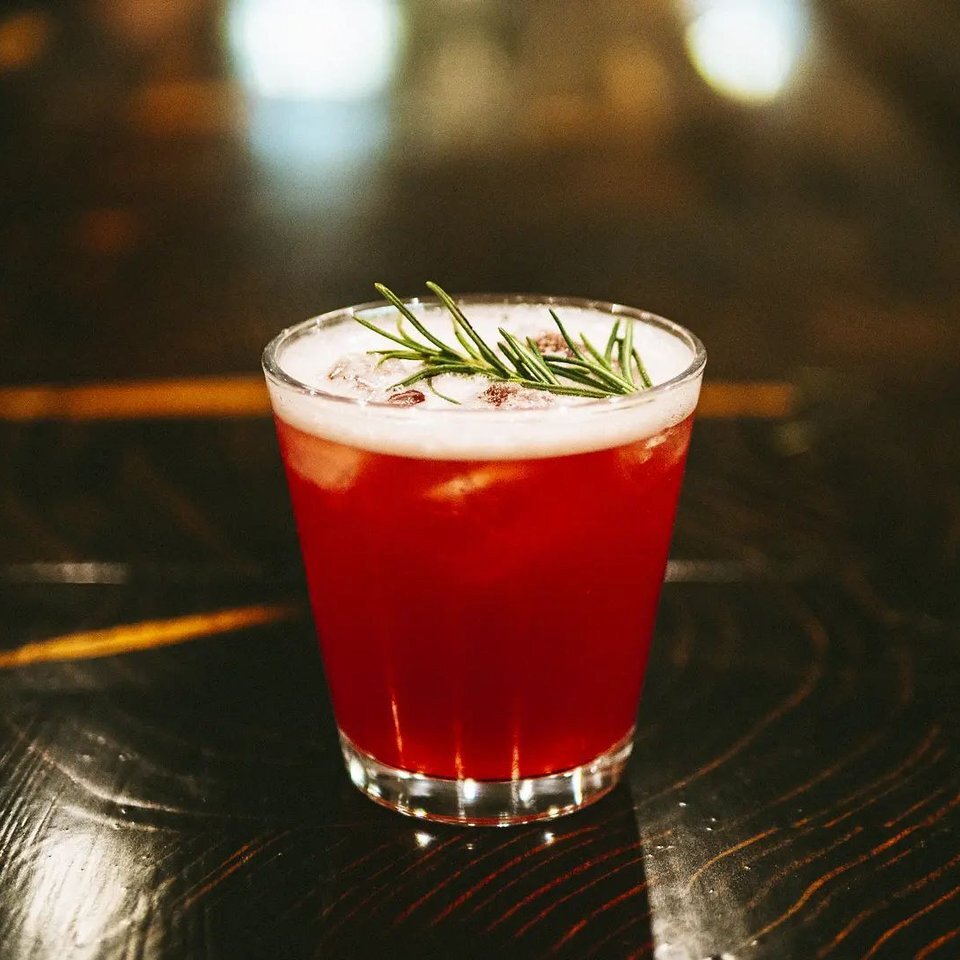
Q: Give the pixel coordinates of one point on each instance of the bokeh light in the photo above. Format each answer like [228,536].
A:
[315,49]
[746,49]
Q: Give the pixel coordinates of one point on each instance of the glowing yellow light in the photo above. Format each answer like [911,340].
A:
[146,635]
[746,49]
[315,49]
[23,39]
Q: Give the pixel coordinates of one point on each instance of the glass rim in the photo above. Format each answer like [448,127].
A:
[273,371]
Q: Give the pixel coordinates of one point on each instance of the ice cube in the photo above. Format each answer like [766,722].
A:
[365,375]
[666,447]
[331,466]
[471,482]
[634,454]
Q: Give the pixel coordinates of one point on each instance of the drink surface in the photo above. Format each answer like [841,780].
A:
[360,407]
[484,577]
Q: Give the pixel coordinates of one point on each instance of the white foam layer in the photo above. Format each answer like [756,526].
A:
[347,394]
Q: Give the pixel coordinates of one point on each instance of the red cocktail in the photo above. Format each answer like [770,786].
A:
[484,619]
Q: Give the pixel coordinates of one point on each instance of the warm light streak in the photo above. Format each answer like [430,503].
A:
[145,635]
[246,396]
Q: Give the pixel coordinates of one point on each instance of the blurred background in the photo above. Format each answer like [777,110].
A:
[181,178]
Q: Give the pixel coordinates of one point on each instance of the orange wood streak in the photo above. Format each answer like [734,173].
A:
[246,396]
[616,933]
[726,853]
[935,945]
[849,928]
[860,749]
[553,905]
[893,787]
[238,855]
[844,867]
[418,865]
[787,841]
[913,809]
[350,890]
[545,888]
[807,894]
[603,908]
[897,858]
[864,914]
[522,875]
[895,774]
[147,635]
[928,878]
[540,848]
[819,642]
[438,888]
[894,930]
[934,817]
[792,868]
[435,848]
[234,862]
[559,901]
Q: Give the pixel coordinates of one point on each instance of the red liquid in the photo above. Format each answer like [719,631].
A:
[485,619]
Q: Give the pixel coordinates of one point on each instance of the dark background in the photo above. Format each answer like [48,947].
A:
[181,178]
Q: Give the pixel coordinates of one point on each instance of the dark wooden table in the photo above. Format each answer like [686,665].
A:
[181,181]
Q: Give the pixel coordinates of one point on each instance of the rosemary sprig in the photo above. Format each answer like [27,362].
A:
[586,372]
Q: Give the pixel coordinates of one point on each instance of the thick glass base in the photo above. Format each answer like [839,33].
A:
[486,803]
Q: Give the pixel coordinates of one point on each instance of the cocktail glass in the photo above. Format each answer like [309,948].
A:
[484,582]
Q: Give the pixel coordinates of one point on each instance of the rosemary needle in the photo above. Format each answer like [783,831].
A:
[585,372]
